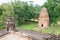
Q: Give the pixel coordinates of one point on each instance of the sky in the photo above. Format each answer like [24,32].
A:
[39,2]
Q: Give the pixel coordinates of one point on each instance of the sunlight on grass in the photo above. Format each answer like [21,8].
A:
[36,29]
[53,30]
[28,26]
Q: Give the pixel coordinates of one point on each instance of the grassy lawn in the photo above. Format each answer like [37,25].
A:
[1,27]
[51,29]
[28,26]
[34,26]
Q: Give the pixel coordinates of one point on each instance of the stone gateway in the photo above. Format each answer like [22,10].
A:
[43,21]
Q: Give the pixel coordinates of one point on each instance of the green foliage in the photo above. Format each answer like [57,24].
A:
[24,11]
[20,10]
[1,10]
[53,7]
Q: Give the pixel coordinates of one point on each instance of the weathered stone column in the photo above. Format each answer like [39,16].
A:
[43,21]
[10,23]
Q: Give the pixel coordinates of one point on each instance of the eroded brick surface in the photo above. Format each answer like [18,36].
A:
[43,18]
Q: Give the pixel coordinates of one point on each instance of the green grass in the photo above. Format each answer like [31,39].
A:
[28,26]
[1,27]
[54,29]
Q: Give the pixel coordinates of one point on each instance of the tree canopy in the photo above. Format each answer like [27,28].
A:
[20,10]
[53,7]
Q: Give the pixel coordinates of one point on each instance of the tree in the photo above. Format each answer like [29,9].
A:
[20,10]
[25,11]
[52,6]
[1,10]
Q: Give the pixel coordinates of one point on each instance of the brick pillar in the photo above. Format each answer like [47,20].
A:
[43,21]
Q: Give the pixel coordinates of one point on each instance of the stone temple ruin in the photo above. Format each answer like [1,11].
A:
[43,18]
[10,23]
[19,34]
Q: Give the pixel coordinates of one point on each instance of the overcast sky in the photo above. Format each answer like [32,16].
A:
[39,2]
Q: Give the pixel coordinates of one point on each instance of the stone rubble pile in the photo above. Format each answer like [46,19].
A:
[52,37]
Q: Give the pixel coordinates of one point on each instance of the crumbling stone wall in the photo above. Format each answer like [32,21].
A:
[52,37]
